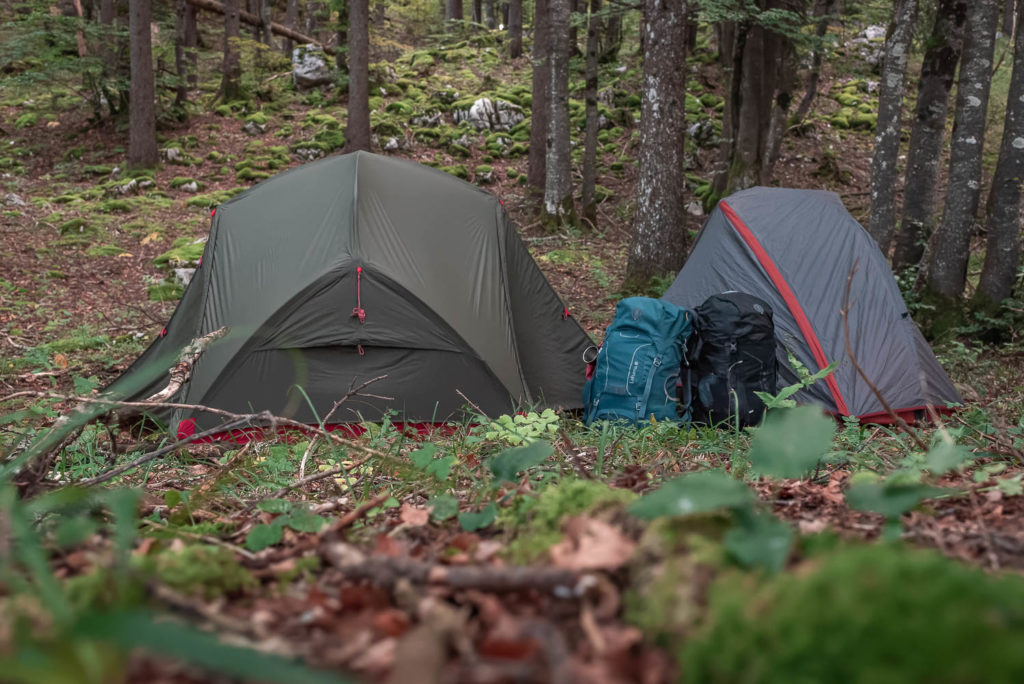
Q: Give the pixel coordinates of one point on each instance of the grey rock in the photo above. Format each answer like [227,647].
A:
[496,115]
[253,128]
[310,67]
[392,144]
[191,186]
[426,120]
[172,155]
[12,200]
[309,153]
[694,209]
[131,186]
[183,276]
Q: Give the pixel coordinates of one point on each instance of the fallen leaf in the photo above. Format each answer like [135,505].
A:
[414,516]
[391,622]
[60,360]
[812,526]
[591,544]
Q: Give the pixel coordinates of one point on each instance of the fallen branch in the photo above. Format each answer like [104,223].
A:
[253,20]
[352,516]
[897,419]
[387,571]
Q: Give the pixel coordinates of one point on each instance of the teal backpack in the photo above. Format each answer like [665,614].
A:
[635,374]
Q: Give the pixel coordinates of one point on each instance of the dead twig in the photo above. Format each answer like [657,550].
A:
[302,481]
[353,392]
[897,419]
[249,555]
[352,516]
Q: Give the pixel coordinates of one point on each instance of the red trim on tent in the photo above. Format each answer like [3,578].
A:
[910,415]
[787,295]
[187,428]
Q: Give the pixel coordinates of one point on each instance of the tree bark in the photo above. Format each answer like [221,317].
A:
[882,221]
[938,70]
[265,23]
[558,201]
[536,172]
[515,28]
[947,268]
[341,56]
[1008,18]
[291,20]
[823,10]
[589,203]
[357,132]
[1003,250]
[453,13]
[490,18]
[185,53]
[142,151]
[659,228]
[610,37]
[231,74]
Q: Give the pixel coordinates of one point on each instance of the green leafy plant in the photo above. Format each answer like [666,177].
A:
[295,516]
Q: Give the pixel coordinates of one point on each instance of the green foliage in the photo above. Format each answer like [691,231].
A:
[776,453]
[295,516]
[863,614]
[700,492]
[507,465]
[471,522]
[207,571]
[522,428]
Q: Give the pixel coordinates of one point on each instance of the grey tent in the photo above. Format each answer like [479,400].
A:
[795,249]
[360,266]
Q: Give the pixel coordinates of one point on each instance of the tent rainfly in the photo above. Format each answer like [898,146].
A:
[357,267]
[796,250]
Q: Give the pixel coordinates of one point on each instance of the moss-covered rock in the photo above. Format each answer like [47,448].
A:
[864,614]
[77,226]
[251,175]
[212,199]
[847,99]
[457,170]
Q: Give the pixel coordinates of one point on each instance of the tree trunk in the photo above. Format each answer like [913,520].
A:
[108,52]
[253,20]
[558,201]
[231,74]
[291,20]
[478,11]
[938,70]
[823,9]
[341,56]
[253,7]
[180,59]
[536,171]
[574,40]
[142,107]
[453,13]
[947,267]
[268,34]
[515,28]
[357,132]
[610,37]
[659,228]
[1008,17]
[882,222]
[589,204]
[489,15]
[1002,253]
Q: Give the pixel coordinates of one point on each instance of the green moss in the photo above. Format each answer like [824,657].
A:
[866,614]
[212,199]
[104,250]
[251,175]
[693,105]
[185,251]
[27,120]
[98,169]
[457,170]
[164,292]
[325,120]
[550,508]
[76,226]
[115,206]
[400,107]
[847,100]
[179,181]
[258,118]
[206,571]
[864,121]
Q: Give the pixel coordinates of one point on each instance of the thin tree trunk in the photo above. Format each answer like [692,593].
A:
[478,11]
[536,170]
[341,56]
[489,15]
[291,20]
[1002,253]
[659,228]
[823,10]
[191,47]
[574,41]
[610,37]
[253,7]
[1008,17]
[108,53]
[180,60]
[253,20]
[231,75]
[589,204]
[947,268]
[268,33]
[453,13]
[142,151]
[882,222]
[558,201]
[357,132]
[515,28]
[938,70]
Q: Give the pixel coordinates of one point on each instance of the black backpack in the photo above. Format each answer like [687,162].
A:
[734,356]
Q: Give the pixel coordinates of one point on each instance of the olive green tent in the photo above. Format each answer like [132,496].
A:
[358,267]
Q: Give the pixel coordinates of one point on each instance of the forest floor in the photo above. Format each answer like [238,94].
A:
[415,560]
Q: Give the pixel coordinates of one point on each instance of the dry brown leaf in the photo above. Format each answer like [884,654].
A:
[591,544]
[812,526]
[414,516]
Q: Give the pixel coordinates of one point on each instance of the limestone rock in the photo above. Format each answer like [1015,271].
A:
[310,67]
[496,115]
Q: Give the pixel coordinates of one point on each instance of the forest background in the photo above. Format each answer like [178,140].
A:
[534,548]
